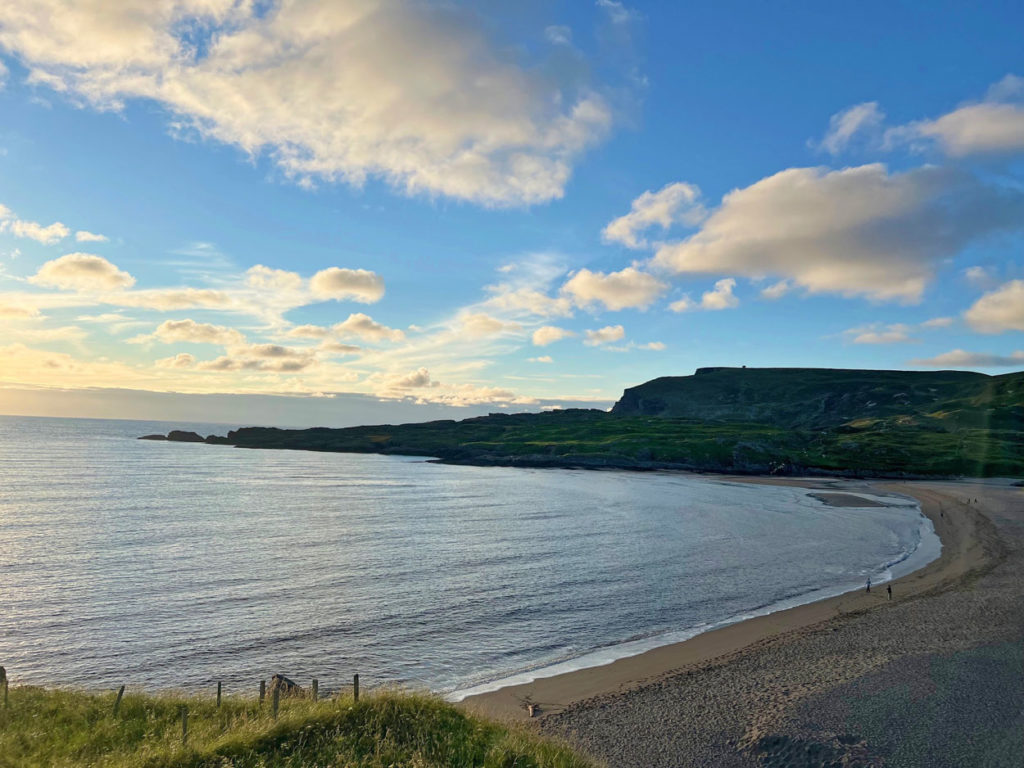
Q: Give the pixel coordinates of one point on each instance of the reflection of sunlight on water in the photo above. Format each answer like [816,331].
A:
[174,564]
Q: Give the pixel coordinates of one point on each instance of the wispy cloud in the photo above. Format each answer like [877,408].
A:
[959,358]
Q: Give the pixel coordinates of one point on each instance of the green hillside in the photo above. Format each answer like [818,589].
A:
[769,420]
[43,728]
[816,398]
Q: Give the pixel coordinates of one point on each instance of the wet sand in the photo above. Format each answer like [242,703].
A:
[776,690]
[845,500]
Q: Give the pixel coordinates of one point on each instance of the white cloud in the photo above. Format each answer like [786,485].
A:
[776,290]
[628,288]
[655,346]
[980,277]
[269,279]
[459,395]
[979,128]
[478,325]
[523,291]
[558,34]
[541,359]
[242,363]
[604,335]
[617,12]
[1000,310]
[412,93]
[1011,87]
[672,204]
[549,334]
[273,352]
[721,297]
[844,126]
[357,284]
[419,385]
[168,299]
[855,231]
[337,348]
[82,272]
[527,301]
[897,333]
[893,333]
[959,358]
[47,235]
[84,236]
[105,318]
[309,332]
[412,380]
[180,360]
[718,298]
[365,327]
[992,126]
[172,331]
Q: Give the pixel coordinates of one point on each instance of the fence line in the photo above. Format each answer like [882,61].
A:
[314,694]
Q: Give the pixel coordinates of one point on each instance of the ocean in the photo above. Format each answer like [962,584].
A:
[173,566]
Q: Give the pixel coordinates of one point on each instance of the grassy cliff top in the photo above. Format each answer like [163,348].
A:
[45,728]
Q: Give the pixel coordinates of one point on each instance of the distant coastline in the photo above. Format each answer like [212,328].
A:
[270,438]
[766,422]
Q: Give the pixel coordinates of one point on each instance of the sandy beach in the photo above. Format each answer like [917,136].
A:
[850,680]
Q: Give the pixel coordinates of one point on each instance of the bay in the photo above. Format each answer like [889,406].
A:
[172,565]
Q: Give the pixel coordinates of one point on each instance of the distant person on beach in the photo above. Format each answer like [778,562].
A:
[869,585]
[888,588]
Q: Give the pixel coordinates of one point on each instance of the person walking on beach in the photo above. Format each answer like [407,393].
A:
[888,589]
[869,585]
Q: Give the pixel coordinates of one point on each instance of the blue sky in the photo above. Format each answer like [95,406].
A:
[489,207]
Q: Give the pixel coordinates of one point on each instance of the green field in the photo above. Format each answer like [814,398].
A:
[45,728]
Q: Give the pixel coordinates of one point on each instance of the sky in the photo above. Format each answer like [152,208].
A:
[315,211]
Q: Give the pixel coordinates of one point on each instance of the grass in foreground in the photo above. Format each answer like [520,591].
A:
[58,729]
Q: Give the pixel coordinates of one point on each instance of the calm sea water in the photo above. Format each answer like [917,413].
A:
[175,565]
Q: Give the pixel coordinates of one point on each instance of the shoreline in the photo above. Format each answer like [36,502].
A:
[928,550]
[962,552]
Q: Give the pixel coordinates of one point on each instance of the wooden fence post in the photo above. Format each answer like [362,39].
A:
[275,700]
[117,701]
[4,684]
[316,689]
[263,691]
[355,688]
[184,725]
[218,693]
